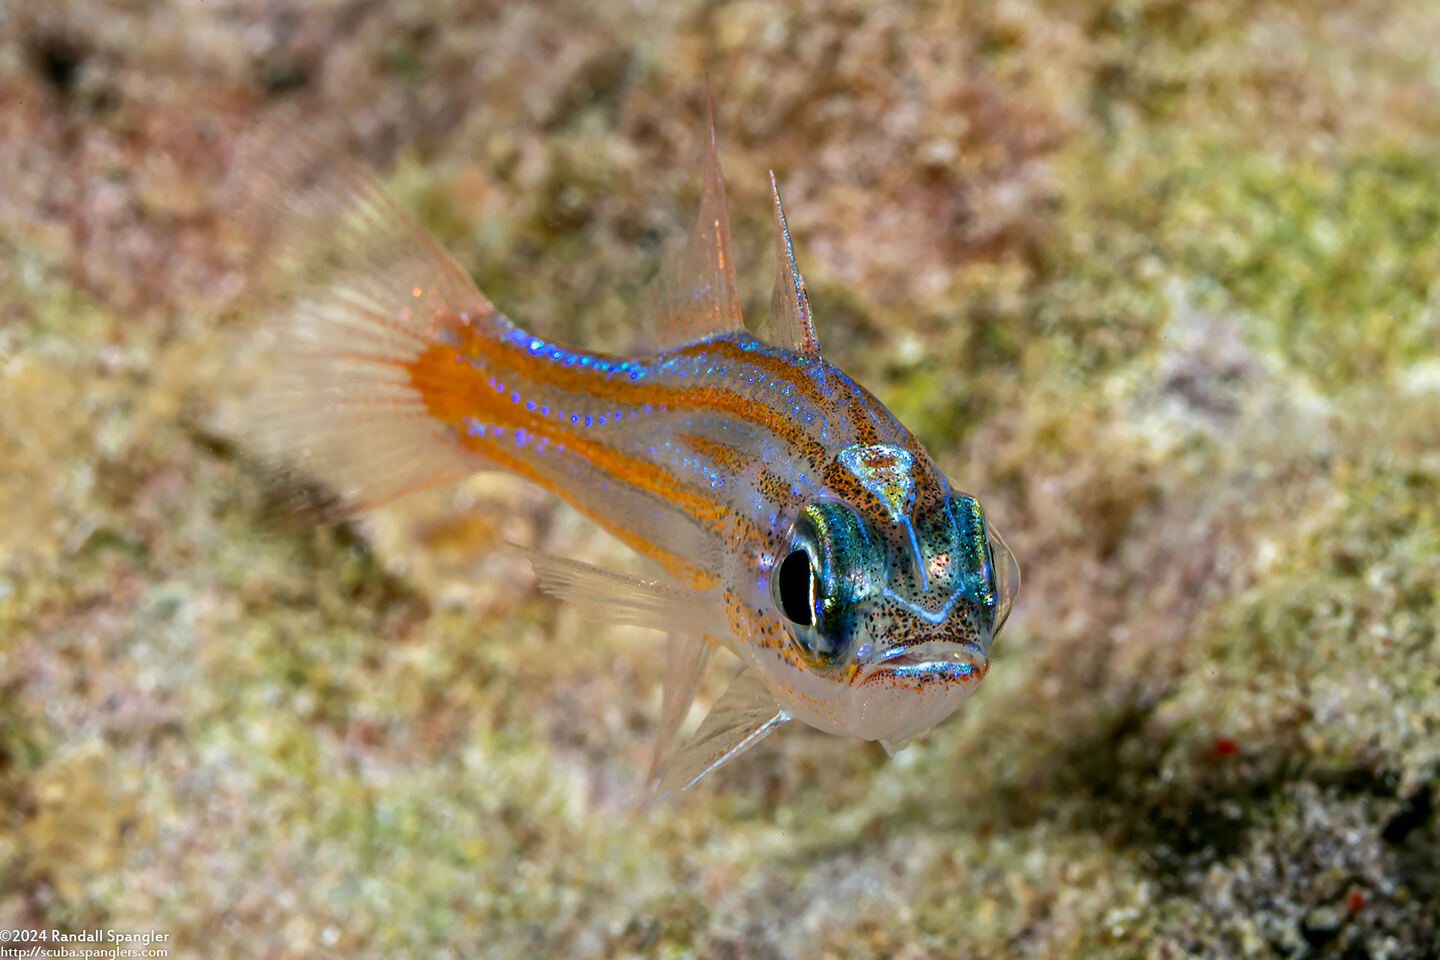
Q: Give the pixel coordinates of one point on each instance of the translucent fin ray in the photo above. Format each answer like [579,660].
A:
[790,324]
[743,716]
[349,289]
[695,295]
[686,657]
[607,597]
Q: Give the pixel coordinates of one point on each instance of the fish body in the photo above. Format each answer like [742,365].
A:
[795,521]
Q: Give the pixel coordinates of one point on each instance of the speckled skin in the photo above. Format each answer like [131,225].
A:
[703,457]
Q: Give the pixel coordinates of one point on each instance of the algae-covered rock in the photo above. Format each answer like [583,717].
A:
[1155,280]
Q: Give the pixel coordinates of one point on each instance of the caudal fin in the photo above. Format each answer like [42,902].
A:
[350,291]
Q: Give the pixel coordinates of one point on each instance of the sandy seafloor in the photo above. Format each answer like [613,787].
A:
[1158,280]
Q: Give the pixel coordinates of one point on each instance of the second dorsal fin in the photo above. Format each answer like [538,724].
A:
[695,295]
[790,324]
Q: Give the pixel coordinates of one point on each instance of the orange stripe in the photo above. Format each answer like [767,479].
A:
[722,453]
[594,383]
[781,369]
[451,392]
[452,389]
[675,564]
[451,399]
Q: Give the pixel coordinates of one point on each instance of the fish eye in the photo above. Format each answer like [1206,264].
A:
[797,588]
[822,583]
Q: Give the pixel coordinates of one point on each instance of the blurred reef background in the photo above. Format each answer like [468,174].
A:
[1158,280]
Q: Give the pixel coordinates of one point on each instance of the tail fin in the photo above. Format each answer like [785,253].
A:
[350,290]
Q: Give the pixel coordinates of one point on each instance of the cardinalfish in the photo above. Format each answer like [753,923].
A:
[792,519]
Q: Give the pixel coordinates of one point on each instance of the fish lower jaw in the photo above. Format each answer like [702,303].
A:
[941,661]
[895,700]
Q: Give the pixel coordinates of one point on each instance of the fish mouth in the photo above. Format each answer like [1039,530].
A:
[935,660]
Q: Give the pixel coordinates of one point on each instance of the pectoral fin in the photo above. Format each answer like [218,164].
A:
[741,718]
[607,597]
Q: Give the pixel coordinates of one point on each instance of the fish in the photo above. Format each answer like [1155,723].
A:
[790,518]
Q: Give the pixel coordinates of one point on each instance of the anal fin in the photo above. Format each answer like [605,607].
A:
[743,716]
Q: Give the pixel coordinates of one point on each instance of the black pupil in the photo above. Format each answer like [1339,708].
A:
[795,587]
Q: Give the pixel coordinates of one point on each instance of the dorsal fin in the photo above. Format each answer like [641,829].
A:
[790,324]
[695,294]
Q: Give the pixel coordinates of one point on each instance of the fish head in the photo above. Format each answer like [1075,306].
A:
[890,593]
